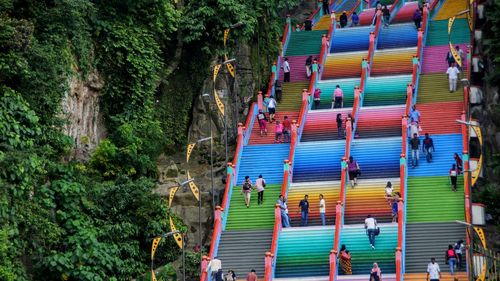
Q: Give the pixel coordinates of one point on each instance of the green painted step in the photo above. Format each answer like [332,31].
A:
[434,88]
[292,96]
[430,199]
[438,33]
[305,43]
[257,216]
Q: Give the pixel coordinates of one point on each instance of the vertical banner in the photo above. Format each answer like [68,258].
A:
[153,276]
[177,236]
[216,71]
[171,196]
[189,150]
[230,67]
[226,35]
[156,241]
[193,187]
[454,52]
[219,103]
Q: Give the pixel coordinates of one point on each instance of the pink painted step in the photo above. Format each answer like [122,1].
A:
[435,58]
[297,68]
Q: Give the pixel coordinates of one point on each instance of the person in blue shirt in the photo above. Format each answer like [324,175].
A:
[355,19]
[304,210]
[414,115]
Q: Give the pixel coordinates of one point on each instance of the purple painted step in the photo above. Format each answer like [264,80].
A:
[435,58]
[297,68]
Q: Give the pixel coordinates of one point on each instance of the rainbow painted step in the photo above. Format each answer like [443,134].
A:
[318,161]
[328,86]
[373,124]
[321,125]
[256,138]
[292,96]
[438,32]
[377,157]
[393,61]
[257,216]
[351,39]
[265,159]
[305,43]
[434,59]
[343,65]
[398,36]
[362,255]
[304,251]
[442,158]
[440,117]
[427,197]
[368,198]
[434,88]
[296,192]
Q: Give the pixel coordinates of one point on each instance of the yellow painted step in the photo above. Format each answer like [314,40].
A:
[292,96]
[450,8]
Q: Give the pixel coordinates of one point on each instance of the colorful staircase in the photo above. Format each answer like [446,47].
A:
[305,43]
[303,251]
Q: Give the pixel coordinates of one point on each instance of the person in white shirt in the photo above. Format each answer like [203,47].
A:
[388,193]
[371,228]
[452,77]
[322,209]
[260,183]
[433,271]
[271,108]
[214,266]
[286,71]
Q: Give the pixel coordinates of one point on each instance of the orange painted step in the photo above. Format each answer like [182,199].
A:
[255,138]
[439,117]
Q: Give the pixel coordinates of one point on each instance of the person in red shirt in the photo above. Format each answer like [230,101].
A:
[317,98]
[287,129]
[458,162]
[252,276]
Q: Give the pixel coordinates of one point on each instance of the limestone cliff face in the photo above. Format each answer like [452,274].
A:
[81,111]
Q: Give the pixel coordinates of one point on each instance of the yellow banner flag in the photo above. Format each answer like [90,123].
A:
[219,103]
[156,241]
[189,150]
[230,67]
[177,236]
[171,195]
[153,276]
[193,187]
[456,55]
[450,24]
[216,71]
[481,235]
[226,35]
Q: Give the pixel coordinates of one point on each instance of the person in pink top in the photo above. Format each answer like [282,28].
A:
[252,276]
[317,98]
[338,97]
[376,273]
[278,129]
[262,123]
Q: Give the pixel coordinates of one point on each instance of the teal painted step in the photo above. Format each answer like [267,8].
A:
[304,251]
[328,86]
[305,43]
[257,216]
[438,33]
[430,199]
[386,90]
[362,255]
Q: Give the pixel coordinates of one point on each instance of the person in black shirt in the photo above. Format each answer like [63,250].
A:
[326,7]
[415,147]
[343,19]
[304,210]
[339,125]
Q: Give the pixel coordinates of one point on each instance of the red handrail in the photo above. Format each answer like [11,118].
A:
[230,174]
[333,264]
[399,263]
[394,5]
[409,96]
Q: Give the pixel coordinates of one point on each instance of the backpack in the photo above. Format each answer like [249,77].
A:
[247,186]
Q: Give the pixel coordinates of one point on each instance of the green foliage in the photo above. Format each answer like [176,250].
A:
[66,220]
[491,40]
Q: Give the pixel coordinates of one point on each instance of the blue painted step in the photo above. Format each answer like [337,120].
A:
[318,161]
[377,157]
[398,36]
[442,158]
[266,159]
[351,39]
